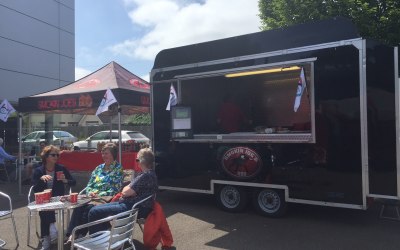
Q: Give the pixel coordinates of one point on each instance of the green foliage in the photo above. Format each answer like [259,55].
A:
[140,119]
[379,19]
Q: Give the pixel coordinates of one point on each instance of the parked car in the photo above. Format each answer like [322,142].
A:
[104,136]
[57,138]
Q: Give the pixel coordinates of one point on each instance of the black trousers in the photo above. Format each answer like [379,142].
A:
[79,217]
[46,218]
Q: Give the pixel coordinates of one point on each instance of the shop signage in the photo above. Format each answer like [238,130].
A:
[81,101]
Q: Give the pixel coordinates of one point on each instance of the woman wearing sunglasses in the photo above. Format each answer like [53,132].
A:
[46,177]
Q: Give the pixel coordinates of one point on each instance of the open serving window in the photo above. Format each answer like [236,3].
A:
[263,97]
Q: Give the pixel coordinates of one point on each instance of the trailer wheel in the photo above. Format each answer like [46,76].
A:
[269,202]
[231,198]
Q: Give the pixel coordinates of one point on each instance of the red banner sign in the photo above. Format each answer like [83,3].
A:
[83,101]
[139,84]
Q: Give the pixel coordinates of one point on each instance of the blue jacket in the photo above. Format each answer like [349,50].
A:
[58,186]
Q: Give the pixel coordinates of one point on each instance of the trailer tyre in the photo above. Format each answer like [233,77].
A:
[270,202]
[231,198]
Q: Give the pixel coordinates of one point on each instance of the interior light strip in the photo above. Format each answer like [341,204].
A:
[264,71]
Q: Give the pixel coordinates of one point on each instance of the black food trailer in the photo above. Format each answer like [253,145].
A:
[319,118]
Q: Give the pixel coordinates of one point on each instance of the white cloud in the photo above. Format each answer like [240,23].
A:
[146,77]
[81,72]
[172,23]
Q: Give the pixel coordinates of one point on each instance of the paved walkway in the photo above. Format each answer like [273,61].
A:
[197,224]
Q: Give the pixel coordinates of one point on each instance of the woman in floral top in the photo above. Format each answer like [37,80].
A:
[106,180]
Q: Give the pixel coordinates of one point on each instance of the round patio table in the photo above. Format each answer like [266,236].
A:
[57,204]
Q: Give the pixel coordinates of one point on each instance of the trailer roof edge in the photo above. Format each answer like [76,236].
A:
[302,35]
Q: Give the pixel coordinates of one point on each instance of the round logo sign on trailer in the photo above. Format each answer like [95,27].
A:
[241,163]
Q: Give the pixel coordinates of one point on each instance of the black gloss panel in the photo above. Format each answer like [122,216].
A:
[381,119]
[330,169]
[162,118]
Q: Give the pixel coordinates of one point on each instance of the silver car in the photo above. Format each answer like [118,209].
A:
[58,138]
[104,136]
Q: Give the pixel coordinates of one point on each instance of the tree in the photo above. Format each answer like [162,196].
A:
[378,19]
[140,119]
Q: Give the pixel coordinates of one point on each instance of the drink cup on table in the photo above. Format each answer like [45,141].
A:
[73,197]
[48,194]
[40,197]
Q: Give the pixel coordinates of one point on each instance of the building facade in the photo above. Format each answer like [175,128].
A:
[37,53]
[37,46]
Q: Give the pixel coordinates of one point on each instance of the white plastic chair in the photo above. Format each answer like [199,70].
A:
[122,228]
[4,214]
[31,213]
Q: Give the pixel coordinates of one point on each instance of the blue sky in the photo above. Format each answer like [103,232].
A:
[132,32]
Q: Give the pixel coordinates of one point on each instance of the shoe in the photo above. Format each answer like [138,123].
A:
[53,232]
[46,243]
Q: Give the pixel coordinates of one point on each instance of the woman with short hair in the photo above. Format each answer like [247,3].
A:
[105,181]
[143,184]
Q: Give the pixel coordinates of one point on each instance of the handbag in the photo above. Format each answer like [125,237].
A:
[100,200]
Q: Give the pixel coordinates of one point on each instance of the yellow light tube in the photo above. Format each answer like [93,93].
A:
[264,71]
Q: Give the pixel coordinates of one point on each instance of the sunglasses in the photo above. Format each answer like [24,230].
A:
[54,155]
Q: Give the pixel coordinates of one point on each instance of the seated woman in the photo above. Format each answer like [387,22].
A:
[44,177]
[142,185]
[106,180]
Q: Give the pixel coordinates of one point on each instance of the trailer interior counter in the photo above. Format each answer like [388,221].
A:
[252,137]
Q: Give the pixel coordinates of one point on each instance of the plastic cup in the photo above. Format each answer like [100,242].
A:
[73,197]
[48,194]
[40,197]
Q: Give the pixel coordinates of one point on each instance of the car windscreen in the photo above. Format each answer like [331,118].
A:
[47,134]
[30,136]
[62,134]
[136,135]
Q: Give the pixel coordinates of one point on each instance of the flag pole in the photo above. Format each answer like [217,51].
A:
[119,135]
[20,161]
[308,94]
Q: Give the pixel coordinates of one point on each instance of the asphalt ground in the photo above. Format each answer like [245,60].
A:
[196,223]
